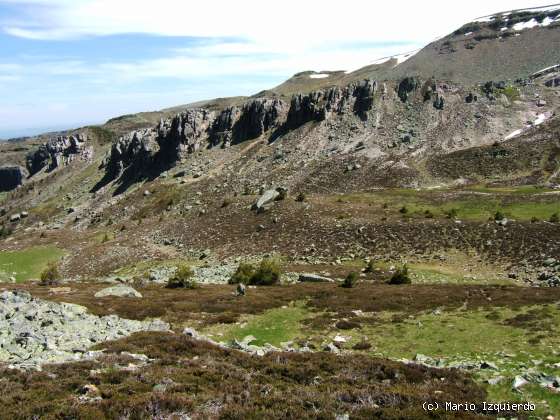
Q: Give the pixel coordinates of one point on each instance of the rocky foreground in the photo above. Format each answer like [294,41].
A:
[34,332]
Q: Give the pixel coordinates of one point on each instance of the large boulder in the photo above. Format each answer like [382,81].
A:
[118,291]
[11,177]
[269,196]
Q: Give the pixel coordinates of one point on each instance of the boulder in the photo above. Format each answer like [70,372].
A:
[241,289]
[15,217]
[313,278]
[269,196]
[118,291]
[518,382]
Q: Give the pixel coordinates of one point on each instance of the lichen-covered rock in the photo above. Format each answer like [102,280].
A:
[34,332]
[118,291]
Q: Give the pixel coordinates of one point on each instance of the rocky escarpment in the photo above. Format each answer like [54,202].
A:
[148,152]
[11,177]
[34,332]
[58,152]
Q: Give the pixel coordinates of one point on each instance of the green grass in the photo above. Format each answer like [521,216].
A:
[27,264]
[522,203]
[274,326]
[440,274]
[474,336]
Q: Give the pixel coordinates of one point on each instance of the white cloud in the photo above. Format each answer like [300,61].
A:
[275,40]
[292,23]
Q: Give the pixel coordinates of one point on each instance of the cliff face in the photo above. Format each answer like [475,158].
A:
[148,152]
[11,177]
[58,152]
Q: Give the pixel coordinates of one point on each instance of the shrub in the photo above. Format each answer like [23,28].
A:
[5,231]
[370,267]
[554,218]
[182,278]
[226,202]
[50,276]
[350,280]
[243,274]
[403,210]
[105,238]
[428,214]
[400,276]
[301,197]
[499,216]
[345,324]
[452,213]
[267,274]
[534,219]
[362,345]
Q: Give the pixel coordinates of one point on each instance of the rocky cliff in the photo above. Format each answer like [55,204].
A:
[58,152]
[148,152]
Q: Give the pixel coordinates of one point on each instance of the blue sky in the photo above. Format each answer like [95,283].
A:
[67,63]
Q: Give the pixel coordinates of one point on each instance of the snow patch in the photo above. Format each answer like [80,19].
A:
[381,60]
[546,70]
[318,76]
[541,118]
[538,121]
[401,58]
[533,23]
[484,19]
[513,134]
[526,25]
[468,33]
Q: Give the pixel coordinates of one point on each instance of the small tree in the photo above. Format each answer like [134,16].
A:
[267,274]
[554,218]
[350,280]
[50,276]
[400,276]
[243,274]
[182,278]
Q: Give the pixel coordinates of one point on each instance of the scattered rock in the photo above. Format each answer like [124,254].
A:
[518,382]
[34,332]
[118,291]
[241,289]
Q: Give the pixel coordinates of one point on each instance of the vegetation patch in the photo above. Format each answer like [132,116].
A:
[275,326]
[29,263]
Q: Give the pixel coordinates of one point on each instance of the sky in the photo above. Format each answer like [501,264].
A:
[69,63]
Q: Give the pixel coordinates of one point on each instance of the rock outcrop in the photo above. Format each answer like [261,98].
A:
[58,152]
[11,177]
[148,152]
[34,332]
